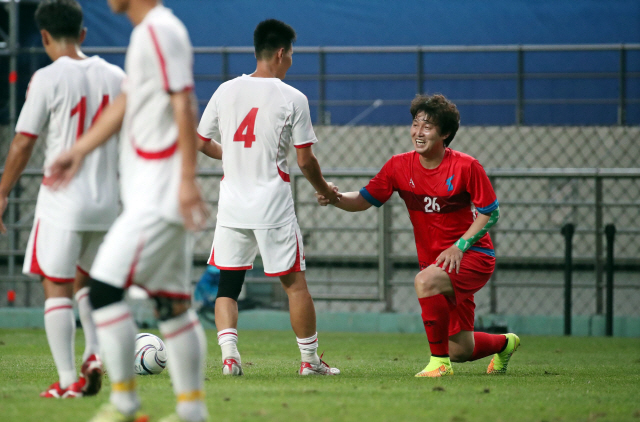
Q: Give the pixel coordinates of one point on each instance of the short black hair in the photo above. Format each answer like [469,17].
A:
[61,18]
[270,36]
[440,111]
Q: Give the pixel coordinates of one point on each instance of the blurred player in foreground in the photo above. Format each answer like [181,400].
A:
[63,100]
[257,118]
[452,205]
[150,243]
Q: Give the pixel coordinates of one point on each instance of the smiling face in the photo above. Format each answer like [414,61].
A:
[425,135]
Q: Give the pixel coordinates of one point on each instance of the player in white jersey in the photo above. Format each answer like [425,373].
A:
[63,100]
[150,244]
[257,118]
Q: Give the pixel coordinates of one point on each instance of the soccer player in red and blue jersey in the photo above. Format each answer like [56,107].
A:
[452,205]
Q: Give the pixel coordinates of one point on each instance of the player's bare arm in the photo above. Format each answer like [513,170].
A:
[17,159]
[192,207]
[452,256]
[108,124]
[211,149]
[349,201]
[310,167]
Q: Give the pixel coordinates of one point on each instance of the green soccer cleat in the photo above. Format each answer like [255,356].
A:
[109,413]
[498,364]
[437,367]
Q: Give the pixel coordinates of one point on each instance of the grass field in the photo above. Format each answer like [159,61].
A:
[550,379]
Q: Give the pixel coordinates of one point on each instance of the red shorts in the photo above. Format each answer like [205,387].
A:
[475,270]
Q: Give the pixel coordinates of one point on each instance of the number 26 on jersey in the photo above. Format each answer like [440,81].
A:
[431,205]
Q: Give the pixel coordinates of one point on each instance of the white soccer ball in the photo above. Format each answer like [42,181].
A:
[151,354]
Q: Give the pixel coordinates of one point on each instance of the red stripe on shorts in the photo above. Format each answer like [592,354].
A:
[296,264]
[35,266]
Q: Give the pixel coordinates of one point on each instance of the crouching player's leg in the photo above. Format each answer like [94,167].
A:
[465,345]
[448,309]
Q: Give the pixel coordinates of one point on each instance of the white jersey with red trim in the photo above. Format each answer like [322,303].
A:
[63,101]
[159,62]
[256,120]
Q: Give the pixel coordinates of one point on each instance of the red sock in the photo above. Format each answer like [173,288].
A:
[435,316]
[487,344]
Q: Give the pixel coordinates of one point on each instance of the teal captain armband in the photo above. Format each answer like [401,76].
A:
[464,244]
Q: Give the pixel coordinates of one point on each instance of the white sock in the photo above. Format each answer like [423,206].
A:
[186,352]
[309,349]
[60,326]
[90,336]
[228,342]
[116,335]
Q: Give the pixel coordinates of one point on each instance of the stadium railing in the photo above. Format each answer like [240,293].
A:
[517,70]
[373,259]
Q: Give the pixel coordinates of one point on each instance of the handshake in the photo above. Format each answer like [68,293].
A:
[330,197]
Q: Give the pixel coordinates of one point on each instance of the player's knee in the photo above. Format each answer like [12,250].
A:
[231,282]
[426,283]
[167,308]
[103,294]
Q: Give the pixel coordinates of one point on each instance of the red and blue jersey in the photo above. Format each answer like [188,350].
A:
[442,202]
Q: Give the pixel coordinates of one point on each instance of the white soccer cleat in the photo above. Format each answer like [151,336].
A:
[230,366]
[322,368]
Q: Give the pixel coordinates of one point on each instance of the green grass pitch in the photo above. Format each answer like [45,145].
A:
[549,379]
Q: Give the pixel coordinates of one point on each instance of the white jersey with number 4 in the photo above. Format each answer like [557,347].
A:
[256,120]
[63,101]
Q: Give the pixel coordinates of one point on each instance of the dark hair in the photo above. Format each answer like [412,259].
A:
[440,112]
[61,18]
[272,35]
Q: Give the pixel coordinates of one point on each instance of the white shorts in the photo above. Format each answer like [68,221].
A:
[281,249]
[148,251]
[56,254]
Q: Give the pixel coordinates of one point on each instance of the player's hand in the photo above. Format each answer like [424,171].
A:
[192,208]
[450,259]
[63,169]
[4,201]
[330,197]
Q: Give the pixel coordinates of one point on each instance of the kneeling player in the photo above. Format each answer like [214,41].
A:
[452,205]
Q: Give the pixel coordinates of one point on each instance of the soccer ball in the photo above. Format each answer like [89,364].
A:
[151,354]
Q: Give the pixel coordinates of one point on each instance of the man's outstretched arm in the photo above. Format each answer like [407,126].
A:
[192,206]
[349,201]
[310,167]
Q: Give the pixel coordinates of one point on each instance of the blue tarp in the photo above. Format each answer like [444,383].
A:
[426,22]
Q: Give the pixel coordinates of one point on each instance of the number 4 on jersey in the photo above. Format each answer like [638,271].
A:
[246,131]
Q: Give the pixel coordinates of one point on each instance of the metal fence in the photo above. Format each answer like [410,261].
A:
[367,261]
[544,176]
